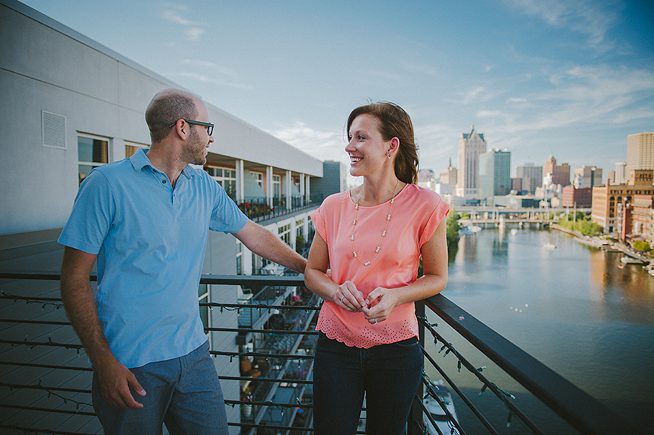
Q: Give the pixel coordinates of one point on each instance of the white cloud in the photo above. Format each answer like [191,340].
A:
[193,33]
[488,113]
[205,78]
[516,100]
[321,144]
[213,68]
[324,145]
[173,17]
[581,16]
[585,95]
[437,143]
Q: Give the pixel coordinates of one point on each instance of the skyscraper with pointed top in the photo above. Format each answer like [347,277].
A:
[470,146]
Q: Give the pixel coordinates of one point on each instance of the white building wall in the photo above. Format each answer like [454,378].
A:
[52,68]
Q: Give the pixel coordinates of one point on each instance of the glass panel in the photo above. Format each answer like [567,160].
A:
[230,188]
[92,150]
[84,171]
[130,150]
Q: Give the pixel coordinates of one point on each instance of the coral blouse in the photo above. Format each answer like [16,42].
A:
[415,215]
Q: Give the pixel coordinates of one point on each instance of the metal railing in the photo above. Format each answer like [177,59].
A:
[257,208]
[34,398]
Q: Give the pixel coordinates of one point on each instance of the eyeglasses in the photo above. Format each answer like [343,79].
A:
[194,122]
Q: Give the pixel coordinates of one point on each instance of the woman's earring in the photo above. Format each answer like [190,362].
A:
[388,154]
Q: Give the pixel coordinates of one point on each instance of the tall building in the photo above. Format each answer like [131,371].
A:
[532,176]
[471,145]
[588,176]
[640,152]
[556,174]
[447,180]
[621,176]
[577,197]
[516,184]
[495,173]
[612,203]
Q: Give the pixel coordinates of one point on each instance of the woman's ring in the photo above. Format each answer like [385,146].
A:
[342,298]
[374,321]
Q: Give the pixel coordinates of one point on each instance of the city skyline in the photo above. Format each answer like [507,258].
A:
[570,79]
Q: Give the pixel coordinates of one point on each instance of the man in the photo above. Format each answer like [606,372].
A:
[146,220]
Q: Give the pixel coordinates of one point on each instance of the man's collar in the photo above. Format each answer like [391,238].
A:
[140,159]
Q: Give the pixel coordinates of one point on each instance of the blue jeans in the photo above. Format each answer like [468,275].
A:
[388,374]
[184,393]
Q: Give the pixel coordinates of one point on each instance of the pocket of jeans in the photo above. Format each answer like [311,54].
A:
[408,343]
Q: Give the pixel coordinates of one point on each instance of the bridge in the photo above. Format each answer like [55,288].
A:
[523,215]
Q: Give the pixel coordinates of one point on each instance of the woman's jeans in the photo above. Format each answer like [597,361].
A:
[389,375]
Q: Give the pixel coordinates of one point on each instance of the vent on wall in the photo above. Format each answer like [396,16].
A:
[53,130]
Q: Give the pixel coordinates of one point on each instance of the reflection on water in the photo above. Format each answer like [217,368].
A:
[575,308]
[617,281]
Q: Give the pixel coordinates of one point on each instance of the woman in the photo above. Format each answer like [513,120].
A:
[371,240]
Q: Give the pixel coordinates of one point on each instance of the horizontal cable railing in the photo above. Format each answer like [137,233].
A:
[285,357]
[258,209]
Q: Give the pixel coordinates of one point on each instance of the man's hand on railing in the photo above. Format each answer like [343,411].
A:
[116,382]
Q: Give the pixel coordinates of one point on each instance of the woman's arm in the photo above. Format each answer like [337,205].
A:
[434,264]
[316,279]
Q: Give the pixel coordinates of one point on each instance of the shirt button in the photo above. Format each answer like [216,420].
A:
[163,181]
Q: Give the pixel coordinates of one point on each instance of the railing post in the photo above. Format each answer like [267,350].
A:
[415,415]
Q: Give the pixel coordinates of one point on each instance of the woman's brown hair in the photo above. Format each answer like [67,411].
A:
[395,122]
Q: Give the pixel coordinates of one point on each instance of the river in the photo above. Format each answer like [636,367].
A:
[574,308]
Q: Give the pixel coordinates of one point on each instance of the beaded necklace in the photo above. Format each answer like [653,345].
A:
[367,263]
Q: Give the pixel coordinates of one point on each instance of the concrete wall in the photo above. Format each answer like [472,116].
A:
[44,66]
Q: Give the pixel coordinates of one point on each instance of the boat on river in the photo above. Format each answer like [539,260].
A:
[630,260]
[469,230]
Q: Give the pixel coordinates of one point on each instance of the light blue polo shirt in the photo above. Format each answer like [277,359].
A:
[150,241]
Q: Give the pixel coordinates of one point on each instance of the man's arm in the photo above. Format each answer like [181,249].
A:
[113,377]
[264,243]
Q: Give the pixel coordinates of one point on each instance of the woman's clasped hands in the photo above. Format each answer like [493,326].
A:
[376,308]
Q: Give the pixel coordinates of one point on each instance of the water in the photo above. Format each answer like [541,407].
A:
[574,308]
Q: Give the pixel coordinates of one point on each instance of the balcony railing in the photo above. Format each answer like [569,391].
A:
[39,396]
[258,209]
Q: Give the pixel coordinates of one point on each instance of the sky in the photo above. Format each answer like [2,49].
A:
[569,78]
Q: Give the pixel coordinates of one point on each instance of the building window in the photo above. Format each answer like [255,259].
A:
[226,177]
[203,298]
[299,228]
[132,148]
[258,178]
[284,233]
[277,186]
[92,151]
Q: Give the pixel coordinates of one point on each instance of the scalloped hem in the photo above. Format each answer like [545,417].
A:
[335,338]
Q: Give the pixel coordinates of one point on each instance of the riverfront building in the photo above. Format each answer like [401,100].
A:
[612,204]
[588,176]
[556,174]
[532,177]
[577,197]
[640,152]
[471,145]
[494,173]
[642,219]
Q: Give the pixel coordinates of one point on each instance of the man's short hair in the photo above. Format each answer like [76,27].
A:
[165,109]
